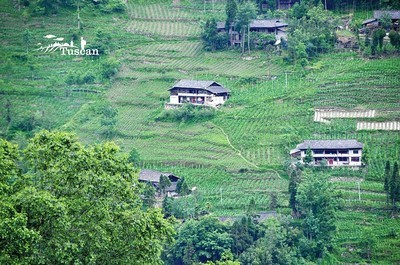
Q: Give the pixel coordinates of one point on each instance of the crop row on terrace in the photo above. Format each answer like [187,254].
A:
[158,11]
[371,84]
[365,219]
[164,28]
[171,49]
[194,66]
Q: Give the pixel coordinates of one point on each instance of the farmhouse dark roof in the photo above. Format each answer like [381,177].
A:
[150,175]
[267,23]
[365,22]
[217,89]
[211,86]
[394,14]
[153,175]
[194,83]
[329,144]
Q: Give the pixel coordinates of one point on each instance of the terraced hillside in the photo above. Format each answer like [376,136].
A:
[238,154]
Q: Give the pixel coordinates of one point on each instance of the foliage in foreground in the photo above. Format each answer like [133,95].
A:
[73,204]
[305,239]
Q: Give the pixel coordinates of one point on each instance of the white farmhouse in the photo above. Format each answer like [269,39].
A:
[205,93]
[335,152]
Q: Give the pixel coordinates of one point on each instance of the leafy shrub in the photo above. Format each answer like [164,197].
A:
[88,78]
[79,78]
[187,113]
[116,6]
[109,67]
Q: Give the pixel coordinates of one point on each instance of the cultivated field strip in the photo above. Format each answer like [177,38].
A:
[379,126]
[172,49]
[344,84]
[170,29]
[324,115]
[162,11]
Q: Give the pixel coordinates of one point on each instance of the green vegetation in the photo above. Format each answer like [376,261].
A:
[74,204]
[230,155]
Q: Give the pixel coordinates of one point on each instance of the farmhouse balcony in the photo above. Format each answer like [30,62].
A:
[193,94]
[332,155]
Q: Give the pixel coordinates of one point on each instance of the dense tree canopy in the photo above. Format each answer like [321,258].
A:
[311,32]
[317,206]
[201,241]
[75,204]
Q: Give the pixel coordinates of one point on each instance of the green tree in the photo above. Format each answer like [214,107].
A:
[367,243]
[182,188]
[246,13]
[394,37]
[377,38]
[210,32]
[92,191]
[149,195]
[164,183]
[299,10]
[108,121]
[276,246]
[201,241]
[45,7]
[226,259]
[386,21]
[394,186]
[27,38]
[103,42]
[231,10]
[273,200]
[134,157]
[251,208]
[317,205]
[293,184]
[243,232]
[308,158]
[109,67]
[167,206]
[310,32]
[365,155]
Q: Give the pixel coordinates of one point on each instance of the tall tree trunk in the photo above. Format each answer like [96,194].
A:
[242,40]
[248,37]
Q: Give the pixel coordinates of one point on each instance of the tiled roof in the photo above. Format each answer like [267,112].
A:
[217,89]
[153,175]
[211,86]
[329,144]
[267,23]
[260,23]
[193,83]
[150,175]
[394,14]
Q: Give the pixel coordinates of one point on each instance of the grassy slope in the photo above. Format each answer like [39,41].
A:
[262,121]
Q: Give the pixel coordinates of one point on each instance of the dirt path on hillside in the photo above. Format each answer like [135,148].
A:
[234,148]
[240,153]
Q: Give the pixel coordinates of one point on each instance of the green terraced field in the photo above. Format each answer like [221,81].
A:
[240,152]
